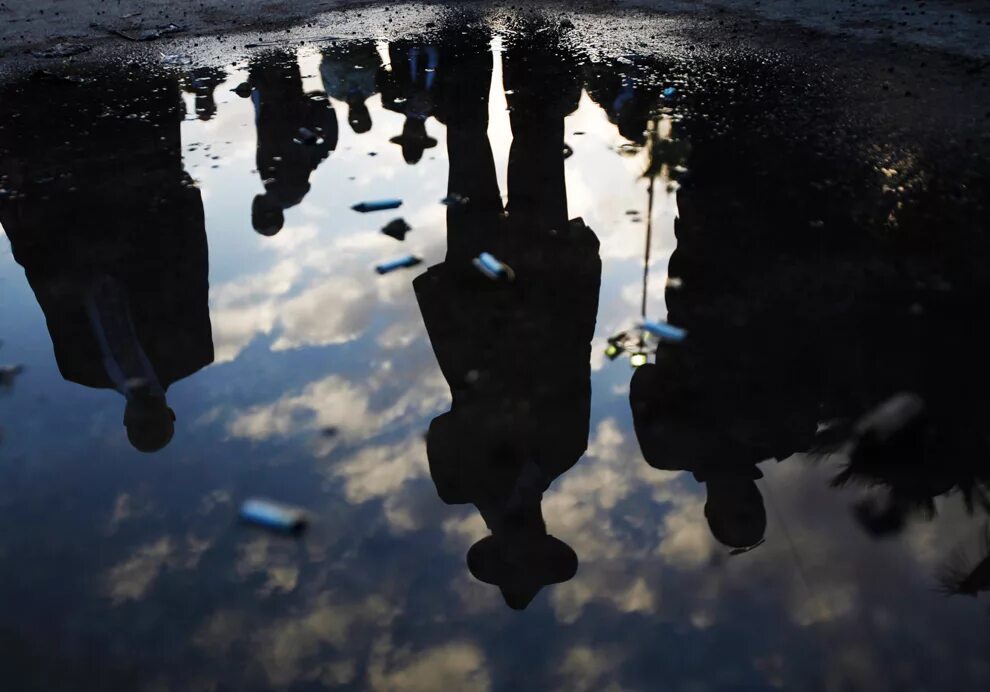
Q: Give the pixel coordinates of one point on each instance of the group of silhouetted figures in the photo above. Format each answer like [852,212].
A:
[791,326]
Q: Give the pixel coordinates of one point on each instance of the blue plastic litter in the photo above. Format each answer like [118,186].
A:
[490,267]
[669,92]
[377,205]
[665,331]
[400,263]
[273,515]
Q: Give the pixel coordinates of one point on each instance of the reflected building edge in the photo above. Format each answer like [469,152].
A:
[110,231]
[296,132]
[516,354]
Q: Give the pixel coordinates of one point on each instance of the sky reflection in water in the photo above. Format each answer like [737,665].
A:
[324,379]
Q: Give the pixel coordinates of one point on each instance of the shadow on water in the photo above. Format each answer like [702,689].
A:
[812,284]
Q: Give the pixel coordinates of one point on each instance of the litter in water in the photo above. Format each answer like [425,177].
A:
[60,50]
[493,268]
[397,228]
[377,205]
[243,90]
[307,136]
[454,200]
[273,515]
[400,263]
[144,34]
[664,331]
[176,59]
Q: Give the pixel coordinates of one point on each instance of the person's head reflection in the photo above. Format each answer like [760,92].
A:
[110,232]
[296,132]
[409,86]
[516,354]
[349,71]
[202,82]
[678,431]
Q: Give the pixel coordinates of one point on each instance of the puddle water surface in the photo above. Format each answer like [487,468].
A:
[497,497]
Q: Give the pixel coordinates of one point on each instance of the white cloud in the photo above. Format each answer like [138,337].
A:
[452,666]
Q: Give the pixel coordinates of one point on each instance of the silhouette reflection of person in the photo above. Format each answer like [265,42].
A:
[516,354]
[628,93]
[287,155]
[202,82]
[742,388]
[408,87]
[110,232]
[678,432]
[349,70]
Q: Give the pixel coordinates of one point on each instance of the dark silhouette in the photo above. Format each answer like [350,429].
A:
[629,92]
[679,431]
[296,131]
[349,71]
[202,82]
[110,232]
[809,302]
[745,386]
[408,87]
[514,353]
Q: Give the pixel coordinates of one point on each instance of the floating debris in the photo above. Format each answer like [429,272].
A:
[143,34]
[397,228]
[61,50]
[243,90]
[307,136]
[664,331]
[400,263]
[273,515]
[176,59]
[493,268]
[377,205]
[669,92]
[455,200]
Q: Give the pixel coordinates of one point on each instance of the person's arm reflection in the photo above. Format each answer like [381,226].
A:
[516,355]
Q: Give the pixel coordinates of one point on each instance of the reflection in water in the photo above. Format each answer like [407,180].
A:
[349,70]
[296,131]
[408,86]
[806,301]
[110,232]
[202,82]
[515,353]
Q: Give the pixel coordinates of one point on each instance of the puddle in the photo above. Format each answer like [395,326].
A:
[497,497]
